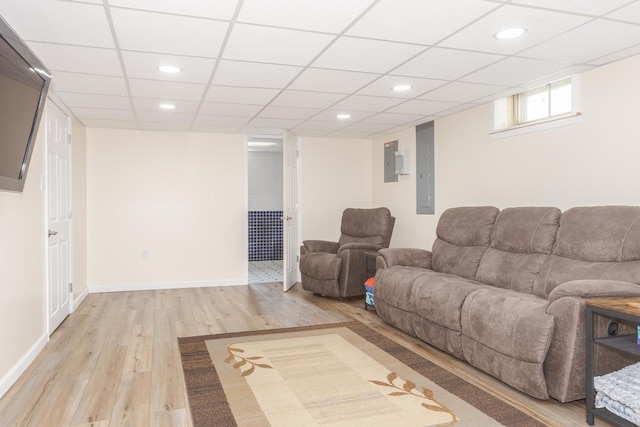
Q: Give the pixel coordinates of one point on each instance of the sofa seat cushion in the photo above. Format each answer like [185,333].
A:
[394,286]
[507,334]
[321,265]
[439,297]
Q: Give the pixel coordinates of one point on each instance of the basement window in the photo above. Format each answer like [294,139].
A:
[539,108]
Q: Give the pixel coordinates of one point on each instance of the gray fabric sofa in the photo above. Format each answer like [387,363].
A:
[505,290]
[337,269]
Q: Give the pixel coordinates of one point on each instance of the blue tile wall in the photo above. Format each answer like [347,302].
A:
[265,235]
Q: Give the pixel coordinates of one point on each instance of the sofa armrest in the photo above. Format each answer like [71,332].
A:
[311,246]
[358,247]
[410,257]
[594,289]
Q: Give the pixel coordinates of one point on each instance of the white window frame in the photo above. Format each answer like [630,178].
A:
[510,104]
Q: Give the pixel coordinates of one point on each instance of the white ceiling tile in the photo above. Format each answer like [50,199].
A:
[274,123]
[418,21]
[157,32]
[630,13]
[58,22]
[384,86]
[103,113]
[88,83]
[241,110]
[514,71]
[366,103]
[446,64]
[462,92]
[355,54]
[420,107]
[219,120]
[220,9]
[143,65]
[165,117]
[297,98]
[151,104]
[166,90]
[88,100]
[272,112]
[590,41]
[253,74]
[332,115]
[110,124]
[325,125]
[303,14]
[264,44]
[540,25]
[323,80]
[621,54]
[393,118]
[590,7]
[79,59]
[165,126]
[240,95]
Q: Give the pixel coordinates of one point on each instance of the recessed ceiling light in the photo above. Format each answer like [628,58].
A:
[167,106]
[169,69]
[509,33]
[402,88]
[343,116]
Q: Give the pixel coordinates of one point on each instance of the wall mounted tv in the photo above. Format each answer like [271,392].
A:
[24,82]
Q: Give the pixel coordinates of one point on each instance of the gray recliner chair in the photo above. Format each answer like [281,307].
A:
[337,269]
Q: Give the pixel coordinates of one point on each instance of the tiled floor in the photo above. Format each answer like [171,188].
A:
[265,271]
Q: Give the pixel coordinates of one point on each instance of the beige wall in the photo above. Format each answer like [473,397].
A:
[22,268]
[177,198]
[336,174]
[590,163]
[79,208]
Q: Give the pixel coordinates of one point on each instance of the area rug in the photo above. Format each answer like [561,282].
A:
[343,374]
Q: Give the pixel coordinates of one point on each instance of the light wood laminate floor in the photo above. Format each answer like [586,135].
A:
[115,361]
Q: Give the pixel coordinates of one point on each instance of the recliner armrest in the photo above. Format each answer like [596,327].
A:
[320,246]
[410,257]
[594,289]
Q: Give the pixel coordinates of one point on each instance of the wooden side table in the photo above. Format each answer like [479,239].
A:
[616,309]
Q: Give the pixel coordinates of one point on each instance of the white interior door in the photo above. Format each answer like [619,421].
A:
[59,215]
[290,211]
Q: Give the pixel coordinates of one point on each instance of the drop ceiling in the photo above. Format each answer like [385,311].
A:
[261,66]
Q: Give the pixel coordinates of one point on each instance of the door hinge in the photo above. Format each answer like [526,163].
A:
[69,139]
[70,287]
[297,258]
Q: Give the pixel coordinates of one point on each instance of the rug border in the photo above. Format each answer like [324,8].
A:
[205,381]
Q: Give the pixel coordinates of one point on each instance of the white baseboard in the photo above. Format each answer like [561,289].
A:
[18,369]
[128,287]
[75,302]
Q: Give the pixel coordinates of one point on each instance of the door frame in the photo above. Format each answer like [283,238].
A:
[45,188]
[281,136]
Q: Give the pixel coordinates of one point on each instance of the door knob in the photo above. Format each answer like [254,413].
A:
[52,233]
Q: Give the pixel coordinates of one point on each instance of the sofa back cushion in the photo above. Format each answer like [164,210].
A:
[463,235]
[372,226]
[594,242]
[522,239]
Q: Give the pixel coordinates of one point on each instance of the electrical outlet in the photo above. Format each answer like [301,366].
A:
[145,254]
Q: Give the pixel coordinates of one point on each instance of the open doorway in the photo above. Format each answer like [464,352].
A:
[265,209]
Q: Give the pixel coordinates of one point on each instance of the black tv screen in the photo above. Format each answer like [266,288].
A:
[24,82]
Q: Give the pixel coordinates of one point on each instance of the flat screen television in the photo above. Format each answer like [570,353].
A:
[24,82]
